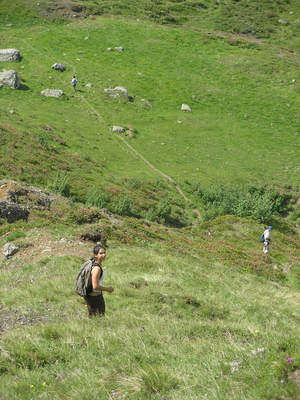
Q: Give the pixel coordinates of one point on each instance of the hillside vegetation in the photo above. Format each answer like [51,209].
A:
[242,131]
[180,197]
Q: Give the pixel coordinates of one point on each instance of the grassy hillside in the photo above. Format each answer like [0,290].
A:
[198,312]
[243,94]
[277,21]
[192,316]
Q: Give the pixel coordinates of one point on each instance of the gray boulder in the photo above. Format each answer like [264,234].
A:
[119,129]
[59,67]
[119,92]
[10,55]
[10,79]
[52,92]
[9,250]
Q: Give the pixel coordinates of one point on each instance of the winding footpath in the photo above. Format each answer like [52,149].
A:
[169,178]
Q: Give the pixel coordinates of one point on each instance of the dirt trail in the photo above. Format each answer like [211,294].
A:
[137,153]
[155,169]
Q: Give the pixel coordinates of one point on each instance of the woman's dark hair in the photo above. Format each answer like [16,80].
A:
[98,247]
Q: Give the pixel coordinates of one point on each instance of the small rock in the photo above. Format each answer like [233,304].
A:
[10,249]
[119,129]
[147,102]
[185,107]
[59,67]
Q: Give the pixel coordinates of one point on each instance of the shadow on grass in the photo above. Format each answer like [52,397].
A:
[24,88]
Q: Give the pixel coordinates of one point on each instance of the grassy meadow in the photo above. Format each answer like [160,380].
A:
[243,127]
[192,316]
[198,311]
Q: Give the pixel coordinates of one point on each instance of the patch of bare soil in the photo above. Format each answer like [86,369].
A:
[65,9]
[41,244]
[12,318]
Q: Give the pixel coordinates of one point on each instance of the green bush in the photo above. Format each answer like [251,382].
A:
[97,199]
[83,215]
[258,203]
[61,185]
[163,210]
[122,206]
[149,215]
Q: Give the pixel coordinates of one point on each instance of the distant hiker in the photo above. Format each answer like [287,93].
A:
[267,239]
[95,301]
[74,83]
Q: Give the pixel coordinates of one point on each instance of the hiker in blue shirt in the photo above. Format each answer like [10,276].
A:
[74,83]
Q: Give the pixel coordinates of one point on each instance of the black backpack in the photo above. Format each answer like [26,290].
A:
[83,281]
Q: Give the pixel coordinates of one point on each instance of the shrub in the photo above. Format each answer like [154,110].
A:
[97,199]
[150,215]
[258,203]
[84,215]
[122,206]
[163,210]
[60,184]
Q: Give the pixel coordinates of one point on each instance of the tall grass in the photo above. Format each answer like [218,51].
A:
[177,326]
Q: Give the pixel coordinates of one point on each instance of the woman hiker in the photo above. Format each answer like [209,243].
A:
[95,300]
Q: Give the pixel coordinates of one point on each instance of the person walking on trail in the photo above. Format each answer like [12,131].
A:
[267,239]
[95,300]
[74,83]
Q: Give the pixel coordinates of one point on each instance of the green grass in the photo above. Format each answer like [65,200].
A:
[180,324]
[243,126]
[193,315]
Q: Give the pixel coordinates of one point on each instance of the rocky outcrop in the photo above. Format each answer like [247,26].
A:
[12,212]
[17,200]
